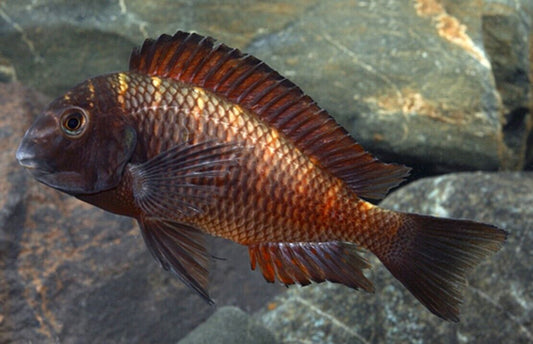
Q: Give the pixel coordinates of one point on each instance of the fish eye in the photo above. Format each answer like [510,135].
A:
[73,122]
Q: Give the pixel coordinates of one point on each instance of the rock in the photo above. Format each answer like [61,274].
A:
[16,109]
[7,71]
[498,304]
[56,44]
[73,273]
[506,28]
[229,325]
[411,80]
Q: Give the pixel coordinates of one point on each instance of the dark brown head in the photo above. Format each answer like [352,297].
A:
[81,143]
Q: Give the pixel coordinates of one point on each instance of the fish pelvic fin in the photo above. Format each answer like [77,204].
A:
[306,262]
[180,249]
[431,256]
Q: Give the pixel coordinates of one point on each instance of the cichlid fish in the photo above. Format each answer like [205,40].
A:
[200,138]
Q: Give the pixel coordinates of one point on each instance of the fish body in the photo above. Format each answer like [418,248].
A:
[198,138]
[252,206]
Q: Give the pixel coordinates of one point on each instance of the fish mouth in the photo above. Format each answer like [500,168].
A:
[28,160]
[67,181]
[38,168]
[63,181]
[31,164]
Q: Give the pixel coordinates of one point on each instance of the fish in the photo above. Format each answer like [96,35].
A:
[197,138]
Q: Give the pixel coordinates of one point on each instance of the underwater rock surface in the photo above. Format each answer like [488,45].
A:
[229,325]
[498,304]
[442,84]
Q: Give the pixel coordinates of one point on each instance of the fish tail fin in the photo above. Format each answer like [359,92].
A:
[431,257]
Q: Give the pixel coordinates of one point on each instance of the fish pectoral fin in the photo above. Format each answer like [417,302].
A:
[181,249]
[184,178]
[306,262]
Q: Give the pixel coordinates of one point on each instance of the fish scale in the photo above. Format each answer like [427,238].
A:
[282,183]
[198,138]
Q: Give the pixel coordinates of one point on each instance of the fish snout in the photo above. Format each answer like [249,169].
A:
[28,158]
[37,143]
[25,157]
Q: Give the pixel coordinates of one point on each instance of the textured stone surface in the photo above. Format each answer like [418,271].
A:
[229,325]
[57,43]
[7,71]
[498,306]
[71,273]
[506,39]
[411,80]
[408,78]
[506,28]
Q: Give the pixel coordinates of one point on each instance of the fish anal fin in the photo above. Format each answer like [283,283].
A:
[181,249]
[253,85]
[306,262]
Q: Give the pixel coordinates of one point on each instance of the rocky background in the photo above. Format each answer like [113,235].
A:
[441,85]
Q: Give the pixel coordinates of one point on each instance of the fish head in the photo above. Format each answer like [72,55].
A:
[78,145]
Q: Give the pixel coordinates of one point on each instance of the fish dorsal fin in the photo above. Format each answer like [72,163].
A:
[253,85]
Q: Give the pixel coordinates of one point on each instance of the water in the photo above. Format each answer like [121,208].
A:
[409,80]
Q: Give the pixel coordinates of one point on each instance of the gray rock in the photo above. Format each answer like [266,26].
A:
[7,71]
[506,28]
[406,79]
[229,325]
[498,304]
[55,44]
[411,80]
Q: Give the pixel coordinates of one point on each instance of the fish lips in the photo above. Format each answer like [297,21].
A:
[40,169]
[27,158]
